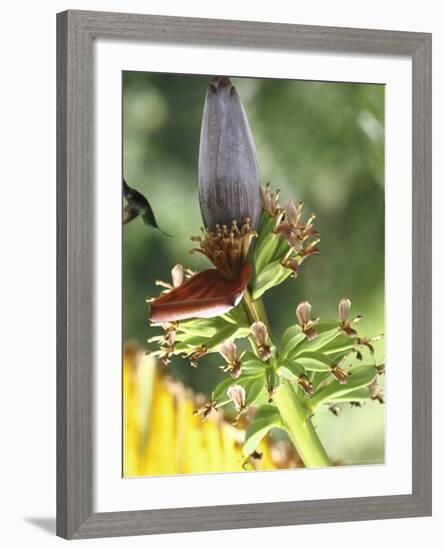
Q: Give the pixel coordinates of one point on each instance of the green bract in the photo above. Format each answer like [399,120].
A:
[266,417]
[291,370]
[314,361]
[272,275]
[210,341]
[361,378]
[253,384]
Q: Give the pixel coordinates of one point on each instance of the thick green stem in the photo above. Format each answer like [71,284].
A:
[293,412]
[255,309]
[299,427]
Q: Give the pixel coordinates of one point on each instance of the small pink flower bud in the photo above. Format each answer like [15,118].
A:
[307,324]
[344,308]
[237,395]
[260,334]
[292,213]
[303,313]
[228,350]
[178,275]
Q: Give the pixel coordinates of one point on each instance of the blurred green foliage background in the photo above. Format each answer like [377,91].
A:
[319,142]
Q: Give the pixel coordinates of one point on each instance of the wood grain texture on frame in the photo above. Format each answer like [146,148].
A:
[76,31]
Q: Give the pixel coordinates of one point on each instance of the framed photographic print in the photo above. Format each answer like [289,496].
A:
[244,274]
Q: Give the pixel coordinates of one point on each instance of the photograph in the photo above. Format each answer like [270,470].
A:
[253,276]
[224,217]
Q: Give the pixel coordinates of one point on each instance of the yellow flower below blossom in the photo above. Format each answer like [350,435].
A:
[163,437]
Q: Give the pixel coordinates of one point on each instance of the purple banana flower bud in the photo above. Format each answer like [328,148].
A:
[230,202]
[229,179]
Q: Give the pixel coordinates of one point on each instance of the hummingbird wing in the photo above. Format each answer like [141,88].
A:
[138,204]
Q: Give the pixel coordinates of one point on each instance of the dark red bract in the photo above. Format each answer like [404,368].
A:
[206,294]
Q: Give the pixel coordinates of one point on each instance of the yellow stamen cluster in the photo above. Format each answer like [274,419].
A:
[226,247]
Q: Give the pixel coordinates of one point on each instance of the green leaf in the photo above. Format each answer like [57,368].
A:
[226,333]
[246,380]
[266,279]
[254,388]
[185,341]
[327,332]
[314,361]
[282,248]
[265,223]
[272,275]
[266,417]
[291,370]
[272,380]
[341,343]
[317,377]
[287,373]
[269,247]
[292,337]
[362,394]
[251,364]
[201,327]
[237,316]
[326,325]
[361,377]
[335,358]
[264,251]
[219,394]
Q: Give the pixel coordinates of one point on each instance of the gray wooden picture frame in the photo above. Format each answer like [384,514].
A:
[76,32]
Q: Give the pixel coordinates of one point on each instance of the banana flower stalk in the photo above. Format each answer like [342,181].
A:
[230,204]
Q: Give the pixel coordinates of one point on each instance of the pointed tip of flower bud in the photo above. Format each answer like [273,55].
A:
[229,179]
[220,83]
